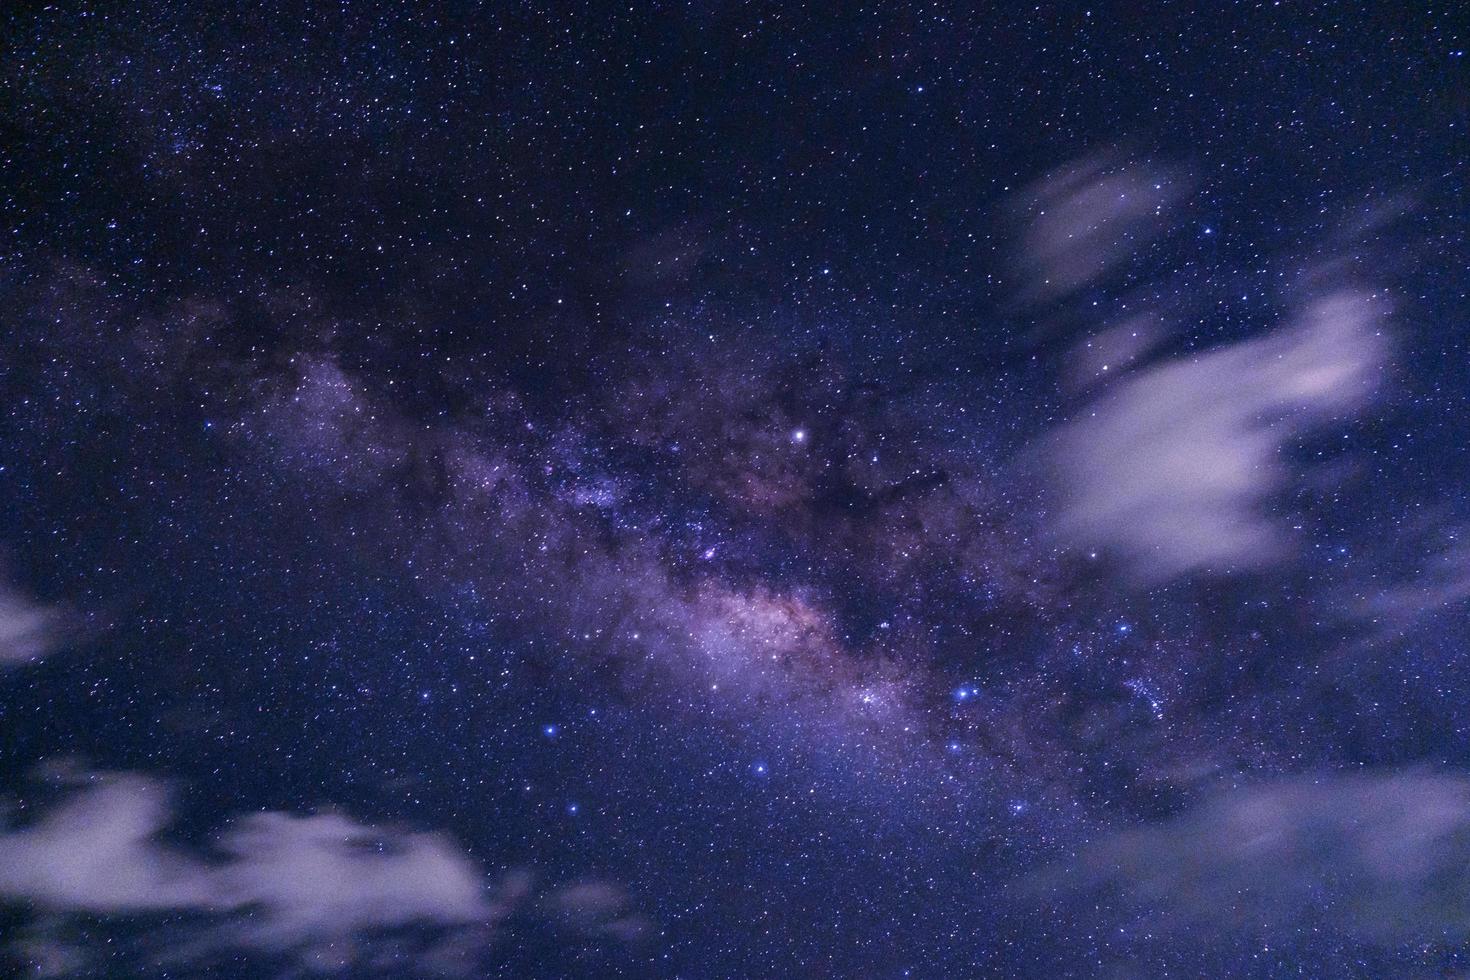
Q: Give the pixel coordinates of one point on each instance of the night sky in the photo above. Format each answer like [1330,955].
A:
[735,490]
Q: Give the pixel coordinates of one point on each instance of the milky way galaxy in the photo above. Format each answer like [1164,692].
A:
[733,491]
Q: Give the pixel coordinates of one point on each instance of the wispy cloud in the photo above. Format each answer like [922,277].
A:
[1087,218]
[1380,857]
[322,890]
[1404,604]
[28,630]
[598,907]
[310,886]
[1173,468]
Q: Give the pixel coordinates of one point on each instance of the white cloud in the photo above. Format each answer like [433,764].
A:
[95,853]
[313,886]
[1443,583]
[326,876]
[1087,219]
[599,907]
[28,631]
[1173,467]
[1381,857]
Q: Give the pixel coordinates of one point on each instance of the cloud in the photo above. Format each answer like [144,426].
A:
[313,887]
[1085,220]
[1404,605]
[95,854]
[1112,351]
[1380,857]
[324,421]
[327,877]
[599,907]
[1174,466]
[28,631]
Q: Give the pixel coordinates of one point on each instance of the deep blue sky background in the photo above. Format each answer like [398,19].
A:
[546,201]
